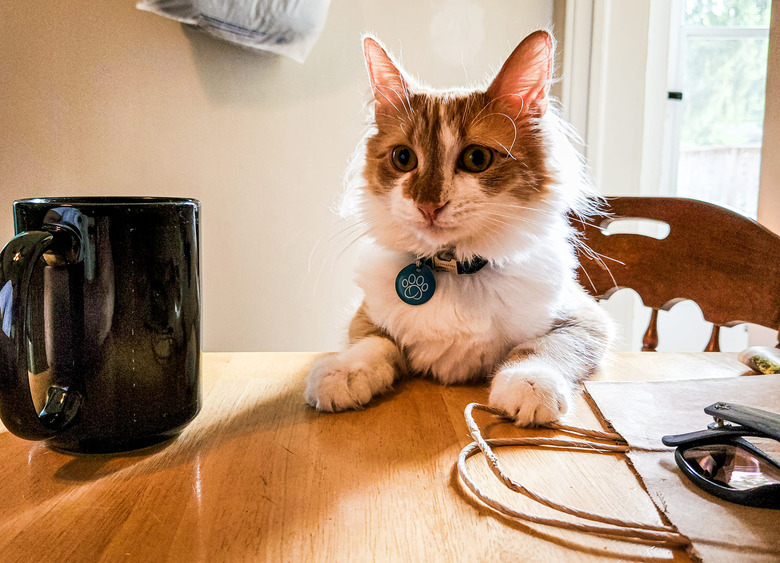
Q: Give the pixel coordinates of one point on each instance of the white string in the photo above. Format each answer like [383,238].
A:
[663,535]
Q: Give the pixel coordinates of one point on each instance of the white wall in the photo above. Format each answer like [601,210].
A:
[769,191]
[769,194]
[98,98]
[616,118]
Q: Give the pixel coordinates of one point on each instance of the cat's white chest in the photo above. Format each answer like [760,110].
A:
[471,321]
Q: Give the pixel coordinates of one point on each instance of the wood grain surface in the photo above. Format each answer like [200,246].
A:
[259,476]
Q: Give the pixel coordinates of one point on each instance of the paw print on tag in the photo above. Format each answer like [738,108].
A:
[415,284]
[414,287]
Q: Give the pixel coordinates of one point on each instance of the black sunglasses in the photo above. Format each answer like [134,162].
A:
[722,462]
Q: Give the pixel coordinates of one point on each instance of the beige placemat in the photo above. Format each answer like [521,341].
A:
[644,412]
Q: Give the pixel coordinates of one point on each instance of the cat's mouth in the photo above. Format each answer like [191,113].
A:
[432,223]
[441,232]
[435,224]
[439,228]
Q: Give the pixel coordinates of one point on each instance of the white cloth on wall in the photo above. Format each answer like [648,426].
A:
[284,27]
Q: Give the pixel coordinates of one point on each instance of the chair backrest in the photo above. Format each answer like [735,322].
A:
[727,263]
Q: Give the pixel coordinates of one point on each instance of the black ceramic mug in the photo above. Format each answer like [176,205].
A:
[100,321]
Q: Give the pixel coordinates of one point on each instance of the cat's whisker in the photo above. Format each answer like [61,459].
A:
[586,219]
[600,258]
[497,218]
[494,100]
[518,212]
[330,239]
[512,121]
[517,221]
[604,264]
[534,209]
[349,229]
[487,105]
[590,281]
[350,244]
[359,228]
[522,105]
[310,261]
[507,206]
[408,99]
[494,234]
[508,151]
[339,237]
[378,88]
[400,99]
[505,215]
[495,225]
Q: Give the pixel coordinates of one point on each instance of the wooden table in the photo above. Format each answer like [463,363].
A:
[259,476]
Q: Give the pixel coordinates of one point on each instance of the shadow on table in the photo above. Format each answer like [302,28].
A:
[278,419]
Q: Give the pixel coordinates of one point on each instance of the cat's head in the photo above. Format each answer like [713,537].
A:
[478,171]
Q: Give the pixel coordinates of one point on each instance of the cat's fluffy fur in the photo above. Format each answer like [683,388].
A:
[522,320]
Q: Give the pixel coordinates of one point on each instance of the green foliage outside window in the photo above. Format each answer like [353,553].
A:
[725,76]
[727,13]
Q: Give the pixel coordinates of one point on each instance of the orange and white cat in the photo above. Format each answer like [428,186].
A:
[468,192]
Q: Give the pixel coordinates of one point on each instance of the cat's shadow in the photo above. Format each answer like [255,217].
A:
[233,419]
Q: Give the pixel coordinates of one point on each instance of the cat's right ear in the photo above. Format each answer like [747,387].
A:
[524,80]
[388,85]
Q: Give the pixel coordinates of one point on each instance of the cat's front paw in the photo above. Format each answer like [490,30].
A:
[530,392]
[349,379]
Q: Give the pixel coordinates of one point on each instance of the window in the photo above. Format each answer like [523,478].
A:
[718,57]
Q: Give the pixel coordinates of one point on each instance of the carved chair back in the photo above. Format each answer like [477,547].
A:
[724,261]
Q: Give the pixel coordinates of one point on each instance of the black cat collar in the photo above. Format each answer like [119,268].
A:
[416,283]
[440,263]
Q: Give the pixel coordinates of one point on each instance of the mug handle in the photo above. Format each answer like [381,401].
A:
[17,411]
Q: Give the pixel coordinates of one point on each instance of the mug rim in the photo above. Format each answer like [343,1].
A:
[107,200]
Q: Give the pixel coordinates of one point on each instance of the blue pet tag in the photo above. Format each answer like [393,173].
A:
[415,284]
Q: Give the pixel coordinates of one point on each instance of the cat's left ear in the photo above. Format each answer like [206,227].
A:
[524,80]
[388,84]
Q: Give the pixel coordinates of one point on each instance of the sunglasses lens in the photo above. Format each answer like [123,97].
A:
[731,466]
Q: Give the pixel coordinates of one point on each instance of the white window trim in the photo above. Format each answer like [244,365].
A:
[576,62]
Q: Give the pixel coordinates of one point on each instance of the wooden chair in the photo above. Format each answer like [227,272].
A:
[725,262]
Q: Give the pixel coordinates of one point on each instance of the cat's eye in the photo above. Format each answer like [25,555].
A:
[404,158]
[476,158]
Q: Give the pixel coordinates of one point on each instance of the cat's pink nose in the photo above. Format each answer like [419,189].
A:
[431,210]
